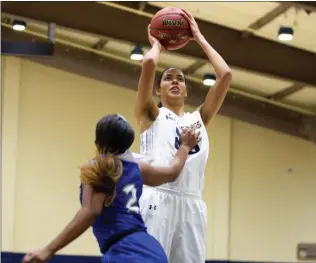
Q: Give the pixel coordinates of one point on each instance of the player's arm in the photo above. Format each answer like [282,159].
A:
[216,95]
[145,110]
[154,176]
[92,205]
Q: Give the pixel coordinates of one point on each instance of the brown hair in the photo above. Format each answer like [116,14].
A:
[102,174]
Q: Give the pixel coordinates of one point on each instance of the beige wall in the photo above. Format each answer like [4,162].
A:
[10,69]
[48,120]
[55,113]
[272,209]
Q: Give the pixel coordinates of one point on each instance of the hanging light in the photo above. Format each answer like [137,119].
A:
[286,33]
[137,53]
[209,79]
[18,25]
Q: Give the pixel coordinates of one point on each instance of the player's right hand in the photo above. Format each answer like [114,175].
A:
[37,256]
[190,138]
[154,41]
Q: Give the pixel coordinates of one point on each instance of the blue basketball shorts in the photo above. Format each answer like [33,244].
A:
[139,247]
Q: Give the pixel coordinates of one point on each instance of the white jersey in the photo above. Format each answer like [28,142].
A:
[131,156]
[160,142]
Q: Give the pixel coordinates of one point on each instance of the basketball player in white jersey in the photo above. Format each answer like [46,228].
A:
[174,212]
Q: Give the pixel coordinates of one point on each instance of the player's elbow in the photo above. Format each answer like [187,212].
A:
[172,174]
[166,178]
[149,62]
[223,84]
[227,76]
[155,183]
[92,211]
[172,178]
[166,175]
[87,215]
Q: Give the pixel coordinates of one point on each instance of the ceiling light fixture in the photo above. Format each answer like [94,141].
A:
[18,25]
[137,53]
[286,33]
[209,79]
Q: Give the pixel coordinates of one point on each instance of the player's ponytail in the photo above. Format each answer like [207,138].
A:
[101,174]
[114,136]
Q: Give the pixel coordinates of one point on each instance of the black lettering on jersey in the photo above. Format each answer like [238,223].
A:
[195,125]
[168,117]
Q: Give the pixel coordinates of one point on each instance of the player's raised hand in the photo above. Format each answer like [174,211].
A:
[154,41]
[196,33]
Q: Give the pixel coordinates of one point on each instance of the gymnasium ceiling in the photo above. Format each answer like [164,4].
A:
[274,82]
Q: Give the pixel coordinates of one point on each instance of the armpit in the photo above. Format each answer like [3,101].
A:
[149,114]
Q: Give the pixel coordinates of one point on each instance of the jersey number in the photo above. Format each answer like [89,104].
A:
[196,149]
[131,202]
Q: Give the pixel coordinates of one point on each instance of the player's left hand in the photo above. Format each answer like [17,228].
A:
[190,138]
[37,256]
[196,33]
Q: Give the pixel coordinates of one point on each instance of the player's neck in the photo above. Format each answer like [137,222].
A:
[176,109]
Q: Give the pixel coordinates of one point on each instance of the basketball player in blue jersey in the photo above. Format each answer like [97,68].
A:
[180,219]
[111,185]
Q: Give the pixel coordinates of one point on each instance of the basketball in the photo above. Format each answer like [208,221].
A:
[170,28]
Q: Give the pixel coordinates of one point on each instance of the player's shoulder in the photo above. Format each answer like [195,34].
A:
[162,112]
[196,111]
[193,114]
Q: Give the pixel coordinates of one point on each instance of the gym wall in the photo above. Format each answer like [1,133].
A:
[258,184]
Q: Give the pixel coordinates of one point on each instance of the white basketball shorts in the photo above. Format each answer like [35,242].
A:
[178,220]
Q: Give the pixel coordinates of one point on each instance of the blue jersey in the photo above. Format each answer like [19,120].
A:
[123,214]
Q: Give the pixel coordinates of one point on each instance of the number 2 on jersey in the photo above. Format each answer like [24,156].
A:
[196,149]
[131,202]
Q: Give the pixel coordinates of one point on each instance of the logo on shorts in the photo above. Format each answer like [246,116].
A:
[152,207]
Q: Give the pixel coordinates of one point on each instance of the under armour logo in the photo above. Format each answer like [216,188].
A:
[150,207]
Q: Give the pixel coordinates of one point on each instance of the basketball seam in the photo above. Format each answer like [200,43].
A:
[169,29]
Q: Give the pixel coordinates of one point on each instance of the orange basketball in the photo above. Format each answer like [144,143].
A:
[170,28]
